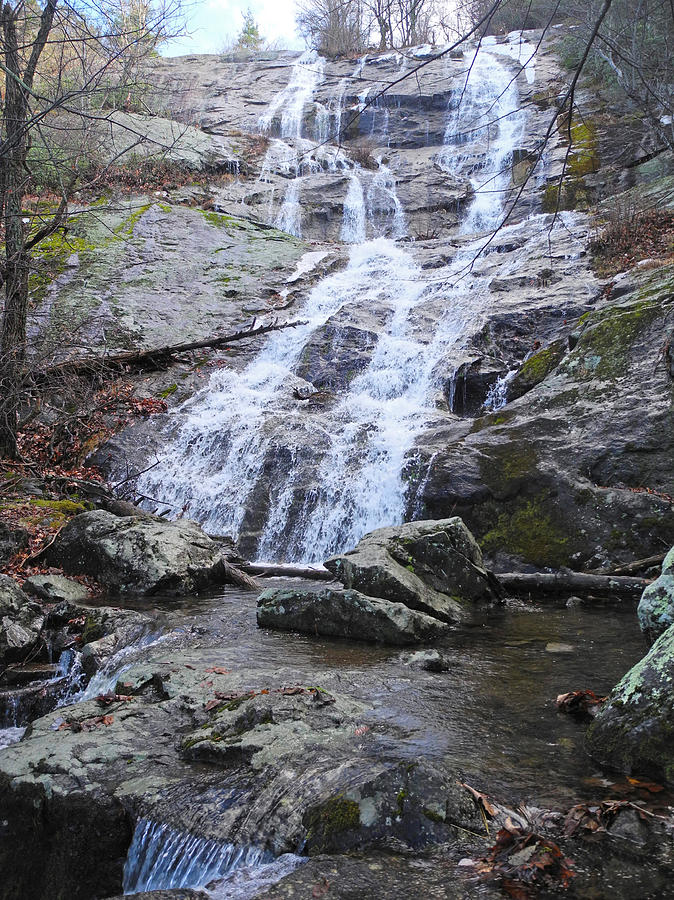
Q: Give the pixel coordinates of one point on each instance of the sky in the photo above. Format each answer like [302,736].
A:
[211,22]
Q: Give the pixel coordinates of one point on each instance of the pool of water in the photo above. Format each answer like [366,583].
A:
[492,715]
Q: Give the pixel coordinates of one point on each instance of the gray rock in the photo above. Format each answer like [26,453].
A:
[633,730]
[56,588]
[21,621]
[140,555]
[434,567]
[656,607]
[430,661]
[347,614]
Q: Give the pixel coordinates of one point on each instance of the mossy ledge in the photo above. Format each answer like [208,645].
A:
[326,822]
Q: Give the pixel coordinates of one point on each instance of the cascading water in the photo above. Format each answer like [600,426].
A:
[340,472]
[487,113]
[161,857]
[286,114]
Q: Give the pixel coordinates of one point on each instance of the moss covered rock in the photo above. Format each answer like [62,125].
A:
[634,730]
[656,607]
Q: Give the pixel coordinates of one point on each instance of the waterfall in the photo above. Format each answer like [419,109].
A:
[488,114]
[307,74]
[497,395]
[353,223]
[161,857]
[384,209]
[311,480]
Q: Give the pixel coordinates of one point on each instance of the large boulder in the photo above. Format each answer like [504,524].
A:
[633,730]
[434,567]
[347,614]
[656,607]
[21,621]
[134,554]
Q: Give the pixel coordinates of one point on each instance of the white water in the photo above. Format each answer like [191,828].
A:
[486,113]
[331,475]
[161,857]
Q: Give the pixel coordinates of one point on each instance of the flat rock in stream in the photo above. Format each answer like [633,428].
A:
[346,614]
[434,567]
[136,554]
[216,770]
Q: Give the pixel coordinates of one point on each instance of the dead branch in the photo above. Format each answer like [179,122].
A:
[157,357]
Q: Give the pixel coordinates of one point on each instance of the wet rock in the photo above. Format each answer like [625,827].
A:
[656,607]
[535,493]
[175,894]
[140,555]
[56,588]
[21,621]
[466,391]
[632,731]
[347,614]
[346,785]
[434,567]
[384,876]
[536,368]
[430,661]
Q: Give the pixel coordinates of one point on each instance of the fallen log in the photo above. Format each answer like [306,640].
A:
[632,568]
[317,573]
[236,575]
[157,357]
[519,583]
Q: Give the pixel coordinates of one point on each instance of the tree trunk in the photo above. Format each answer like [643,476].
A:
[15,274]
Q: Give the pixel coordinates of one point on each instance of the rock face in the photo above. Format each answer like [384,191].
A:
[347,614]
[557,477]
[434,567]
[633,730]
[21,621]
[139,555]
[656,607]
[221,779]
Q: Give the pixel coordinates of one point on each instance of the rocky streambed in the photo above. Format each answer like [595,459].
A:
[207,748]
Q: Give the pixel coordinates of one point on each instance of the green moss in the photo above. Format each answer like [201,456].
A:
[126,228]
[433,815]
[528,531]
[171,389]
[67,507]
[603,348]
[584,157]
[92,631]
[507,465]
[331,818]
[400,800]
[540,364]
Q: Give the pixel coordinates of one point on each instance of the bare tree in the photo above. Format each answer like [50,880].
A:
[62,63]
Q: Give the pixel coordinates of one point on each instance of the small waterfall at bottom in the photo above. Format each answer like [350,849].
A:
[161,857]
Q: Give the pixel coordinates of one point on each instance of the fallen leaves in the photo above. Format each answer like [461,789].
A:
[318,695]
[582,705]
[217,670]
[525,862]
[598,817]
[86,724]
[109,699]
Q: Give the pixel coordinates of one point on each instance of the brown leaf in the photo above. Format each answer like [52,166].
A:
[321,888]
[481,800]
[218,670]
